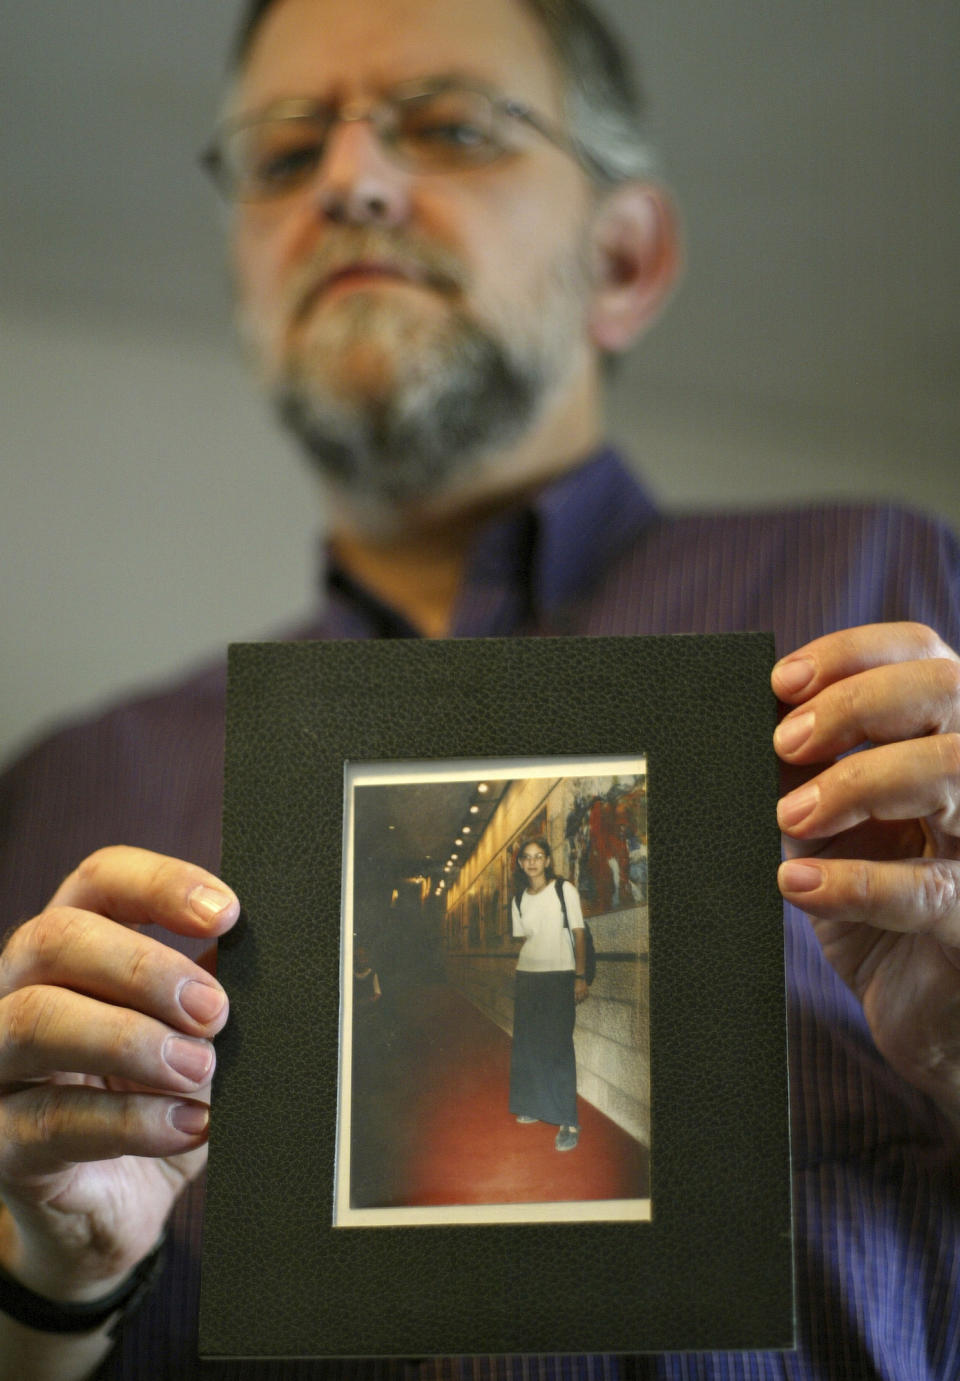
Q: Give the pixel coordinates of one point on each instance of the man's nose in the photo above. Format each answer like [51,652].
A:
[357,183]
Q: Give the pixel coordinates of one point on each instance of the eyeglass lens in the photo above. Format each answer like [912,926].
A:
[436,131]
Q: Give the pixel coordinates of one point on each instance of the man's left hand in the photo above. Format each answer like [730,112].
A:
[872,839]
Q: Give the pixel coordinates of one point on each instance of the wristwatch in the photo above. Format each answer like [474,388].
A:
[59,1316]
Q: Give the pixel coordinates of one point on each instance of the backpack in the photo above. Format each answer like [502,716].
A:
[590,965]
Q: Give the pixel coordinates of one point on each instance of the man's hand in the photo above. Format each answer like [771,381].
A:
[873,839]
[105,1067]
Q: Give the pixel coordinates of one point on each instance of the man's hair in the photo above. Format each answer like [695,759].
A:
[604,102]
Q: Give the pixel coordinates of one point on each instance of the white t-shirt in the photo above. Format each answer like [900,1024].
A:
[539,922]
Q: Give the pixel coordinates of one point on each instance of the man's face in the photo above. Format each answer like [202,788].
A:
[409,322]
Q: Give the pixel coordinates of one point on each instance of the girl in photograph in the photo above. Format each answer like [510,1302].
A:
[550,981]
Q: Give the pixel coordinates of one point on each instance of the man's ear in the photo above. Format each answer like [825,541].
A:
[636,262]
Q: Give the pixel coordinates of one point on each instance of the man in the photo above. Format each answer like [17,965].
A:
[437,234]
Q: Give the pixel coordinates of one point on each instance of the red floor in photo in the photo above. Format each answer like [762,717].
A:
[432,1126]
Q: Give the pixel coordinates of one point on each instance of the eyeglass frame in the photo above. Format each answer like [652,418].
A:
[214,163]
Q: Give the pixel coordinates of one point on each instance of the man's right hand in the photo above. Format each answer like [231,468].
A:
[105,1067]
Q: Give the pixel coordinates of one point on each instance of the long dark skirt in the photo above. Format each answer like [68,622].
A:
[543,1071]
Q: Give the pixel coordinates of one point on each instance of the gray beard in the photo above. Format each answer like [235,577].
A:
[457,396]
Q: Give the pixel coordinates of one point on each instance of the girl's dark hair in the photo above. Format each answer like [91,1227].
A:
[605,105]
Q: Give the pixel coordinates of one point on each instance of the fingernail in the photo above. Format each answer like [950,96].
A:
[207,903]
[202,1001]
[798,805]
[798,876]
[793,732]
[192,1059]
[191,1118]
[792,675]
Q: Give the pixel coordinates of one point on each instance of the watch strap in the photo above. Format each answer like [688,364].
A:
[73,1316]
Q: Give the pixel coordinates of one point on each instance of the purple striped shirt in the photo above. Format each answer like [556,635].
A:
[876,1198]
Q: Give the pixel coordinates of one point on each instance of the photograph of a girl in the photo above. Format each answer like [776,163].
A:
[550,982]
[472,903]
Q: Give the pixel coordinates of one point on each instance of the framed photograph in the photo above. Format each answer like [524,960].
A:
[507,1002]
[441,1070]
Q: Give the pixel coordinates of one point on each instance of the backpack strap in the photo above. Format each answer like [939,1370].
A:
[558,884]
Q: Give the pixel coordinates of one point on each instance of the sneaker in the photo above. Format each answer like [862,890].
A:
[525,1121]
[567,1138]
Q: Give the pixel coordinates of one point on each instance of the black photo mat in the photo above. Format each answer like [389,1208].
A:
[712,1269]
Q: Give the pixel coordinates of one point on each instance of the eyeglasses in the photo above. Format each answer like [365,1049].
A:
[532,858]
[428,127]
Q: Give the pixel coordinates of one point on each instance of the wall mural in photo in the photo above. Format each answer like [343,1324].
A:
[606,837]
[597,827]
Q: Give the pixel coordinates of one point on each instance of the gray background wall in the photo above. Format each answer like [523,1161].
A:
[148,510]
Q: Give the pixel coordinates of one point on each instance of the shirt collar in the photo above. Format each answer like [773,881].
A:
[525,563]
